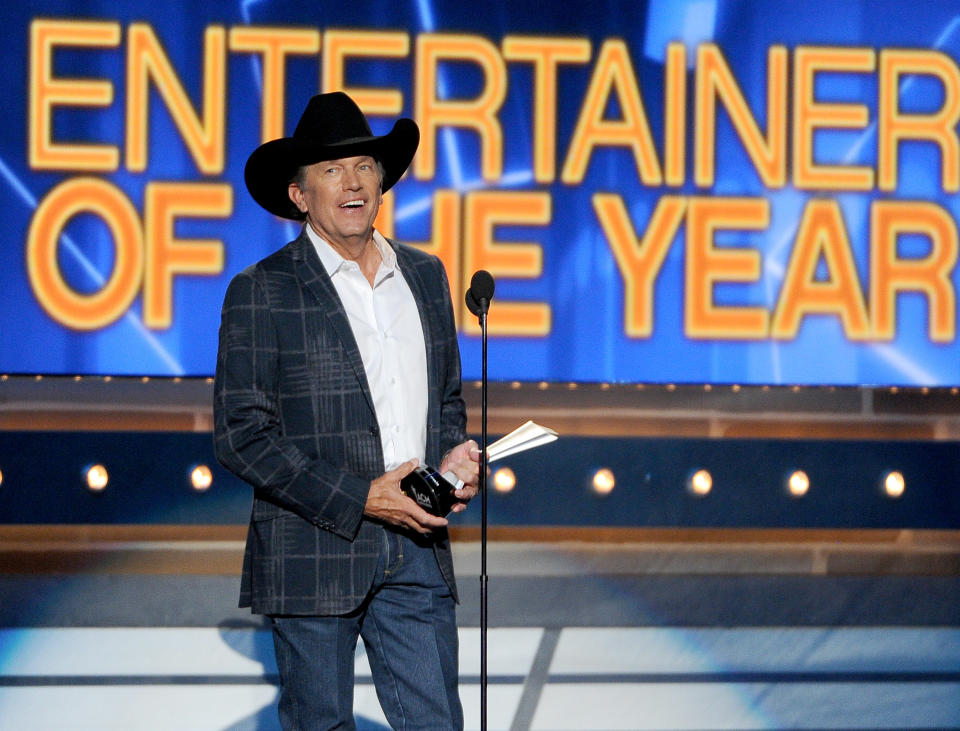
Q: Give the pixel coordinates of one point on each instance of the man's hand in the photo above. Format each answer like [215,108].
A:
[464,461]
[386,502]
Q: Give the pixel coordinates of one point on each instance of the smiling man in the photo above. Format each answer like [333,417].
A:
[338,371]
[340,199]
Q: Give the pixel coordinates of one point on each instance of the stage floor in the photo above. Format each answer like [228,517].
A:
[581,637]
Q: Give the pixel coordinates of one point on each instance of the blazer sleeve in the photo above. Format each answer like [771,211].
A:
[248,434]
[453,410]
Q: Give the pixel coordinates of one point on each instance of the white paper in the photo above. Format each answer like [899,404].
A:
[524,437]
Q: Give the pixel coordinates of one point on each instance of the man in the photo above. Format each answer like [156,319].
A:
[338,371]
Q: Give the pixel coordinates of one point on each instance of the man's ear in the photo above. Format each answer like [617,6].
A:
[296,195]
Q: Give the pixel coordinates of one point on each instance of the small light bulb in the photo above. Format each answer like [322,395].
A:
[504,480]
[894,484]
[604,481]
[97,477]
[798,483]
[701,482]
[201,478]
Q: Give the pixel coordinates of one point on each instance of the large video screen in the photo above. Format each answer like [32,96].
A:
[670,191]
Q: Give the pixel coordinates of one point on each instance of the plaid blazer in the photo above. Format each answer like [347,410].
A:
[294,417]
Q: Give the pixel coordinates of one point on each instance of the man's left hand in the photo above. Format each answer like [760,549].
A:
[464,461]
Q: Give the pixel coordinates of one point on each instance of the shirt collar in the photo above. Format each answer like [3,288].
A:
[332,261]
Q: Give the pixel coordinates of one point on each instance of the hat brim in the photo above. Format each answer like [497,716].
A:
[273,165]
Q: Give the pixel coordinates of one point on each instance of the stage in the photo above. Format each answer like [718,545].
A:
[641,630]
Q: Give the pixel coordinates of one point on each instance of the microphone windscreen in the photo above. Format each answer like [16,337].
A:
[482,285]
[472,303]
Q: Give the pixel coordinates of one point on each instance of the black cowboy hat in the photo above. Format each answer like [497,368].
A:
[331,127]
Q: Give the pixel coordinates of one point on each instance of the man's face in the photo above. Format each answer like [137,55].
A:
[341,199]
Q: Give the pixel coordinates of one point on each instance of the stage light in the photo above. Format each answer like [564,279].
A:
[798,484]
[894,484]
[1,477]
[701,483]
[201,477]
[96,477]
[603,481]
[504,480]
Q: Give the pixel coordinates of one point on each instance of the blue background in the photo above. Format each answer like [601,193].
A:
[581,281]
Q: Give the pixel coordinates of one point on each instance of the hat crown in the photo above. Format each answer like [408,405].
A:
[332,119]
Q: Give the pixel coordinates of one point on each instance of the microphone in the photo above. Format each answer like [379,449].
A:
[480,293]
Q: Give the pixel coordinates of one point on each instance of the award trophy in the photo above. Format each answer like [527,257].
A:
[434,492]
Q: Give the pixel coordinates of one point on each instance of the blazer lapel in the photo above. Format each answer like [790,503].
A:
[422,297]
[315,278]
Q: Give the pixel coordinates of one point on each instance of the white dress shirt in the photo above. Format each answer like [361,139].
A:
[386,324]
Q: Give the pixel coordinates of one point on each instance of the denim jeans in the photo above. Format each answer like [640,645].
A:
[408,625]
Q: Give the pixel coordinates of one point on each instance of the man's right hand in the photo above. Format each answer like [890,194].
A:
[386,502]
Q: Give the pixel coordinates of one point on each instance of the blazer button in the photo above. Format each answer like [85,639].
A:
[375,431]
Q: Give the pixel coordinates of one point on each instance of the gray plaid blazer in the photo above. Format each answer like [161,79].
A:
[293,416]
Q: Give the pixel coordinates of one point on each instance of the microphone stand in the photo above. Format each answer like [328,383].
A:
[478,302]
[483,523]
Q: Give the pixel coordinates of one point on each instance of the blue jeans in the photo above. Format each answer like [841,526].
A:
[408,625]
